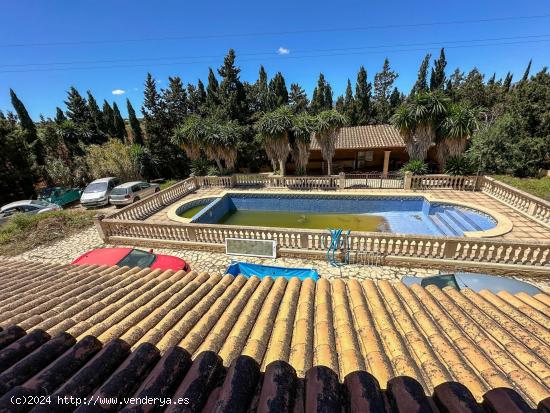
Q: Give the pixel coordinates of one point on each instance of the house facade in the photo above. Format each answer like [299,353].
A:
[376,148]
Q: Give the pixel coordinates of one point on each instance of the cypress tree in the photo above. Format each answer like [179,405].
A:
[212,90]
[339,105]
[108,117]
[77,107]
[120,127]
[328,97]
[261,99]
[362,98]
[96,113]
[421,84]
[59,116]
[507,84]
[175,101]
[137,134]
[318,100]
[278,91]
[25,120]
[201,92]
[383,83]
[525,76]
[348,104]
[437,78]
[297,98]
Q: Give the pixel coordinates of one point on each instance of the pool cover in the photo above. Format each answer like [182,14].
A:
[248,270]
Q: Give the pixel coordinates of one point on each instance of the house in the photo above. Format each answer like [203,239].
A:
[378,148]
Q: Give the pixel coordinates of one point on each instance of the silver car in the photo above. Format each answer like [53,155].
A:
[130,192]
[97,192]
[474,281]
[31,206]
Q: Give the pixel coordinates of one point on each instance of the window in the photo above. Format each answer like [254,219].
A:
[29,208]
[136,188]
[144,185]
[119,191]
[97,187]
[138,258]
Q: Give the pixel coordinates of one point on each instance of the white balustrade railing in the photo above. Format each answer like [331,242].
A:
[418,246]
[526,203]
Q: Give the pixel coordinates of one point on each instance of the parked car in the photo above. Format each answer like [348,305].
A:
[60,196]
[31,206]
[475,282]
[131,192]
[132,257]
[97,192]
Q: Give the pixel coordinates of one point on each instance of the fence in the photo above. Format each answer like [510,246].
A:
[314,241]
[532,206]
[374,181]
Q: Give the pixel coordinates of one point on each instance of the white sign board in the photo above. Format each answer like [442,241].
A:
[251,247]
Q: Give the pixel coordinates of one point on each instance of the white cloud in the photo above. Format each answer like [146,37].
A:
[118,92]
[283,50]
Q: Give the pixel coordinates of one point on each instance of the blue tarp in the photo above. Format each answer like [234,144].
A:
[249,270]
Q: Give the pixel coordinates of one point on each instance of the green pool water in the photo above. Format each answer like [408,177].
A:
[192,211]
[285,219]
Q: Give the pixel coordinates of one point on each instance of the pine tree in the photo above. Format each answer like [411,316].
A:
[59,116]
[233,103]
[120,127]
[77,108]
[437,78]
[108,117]
[383,83]
[421,84]
[96,113]
[278,91]
[212,91]
[297,98]
[27,124]
[363,89]
[137,134]
[525,76]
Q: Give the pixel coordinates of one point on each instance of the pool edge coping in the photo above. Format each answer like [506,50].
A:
[503,224]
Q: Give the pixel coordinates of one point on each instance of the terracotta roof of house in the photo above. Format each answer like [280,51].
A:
[118,332]
[366,137]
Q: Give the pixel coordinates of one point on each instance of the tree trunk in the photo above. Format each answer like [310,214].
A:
[219,163]
[329,166]
[282,166]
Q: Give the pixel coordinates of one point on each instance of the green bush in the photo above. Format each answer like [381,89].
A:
[417,167]
[459,165]
[113,159]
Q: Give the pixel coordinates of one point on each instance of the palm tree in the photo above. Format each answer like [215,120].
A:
[190,136]
[221,143]
[328,124]
[459,124]
[273,130]
[418,122]
[302,128]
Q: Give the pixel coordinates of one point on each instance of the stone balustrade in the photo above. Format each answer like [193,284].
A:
[534,207]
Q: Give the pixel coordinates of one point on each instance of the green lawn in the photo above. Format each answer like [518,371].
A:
[168,183]
[536,186]
[24,232]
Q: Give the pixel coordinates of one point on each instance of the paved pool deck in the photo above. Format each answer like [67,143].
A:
[524,228]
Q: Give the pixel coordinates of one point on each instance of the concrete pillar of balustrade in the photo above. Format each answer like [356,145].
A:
[98,218]
[342,180]
[233,181]
[407,182]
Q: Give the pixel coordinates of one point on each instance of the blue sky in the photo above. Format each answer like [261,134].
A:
[183,38]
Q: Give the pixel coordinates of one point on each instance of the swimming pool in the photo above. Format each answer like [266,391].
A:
[396,214]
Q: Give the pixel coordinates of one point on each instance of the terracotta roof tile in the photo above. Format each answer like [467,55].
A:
[366,137]
[120,332]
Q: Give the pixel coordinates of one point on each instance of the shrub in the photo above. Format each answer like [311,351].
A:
[417,167]
[459,165]
[112,159]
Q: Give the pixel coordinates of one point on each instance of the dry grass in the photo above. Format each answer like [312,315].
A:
[24,232]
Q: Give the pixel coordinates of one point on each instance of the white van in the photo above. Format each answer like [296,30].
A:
[97,192]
